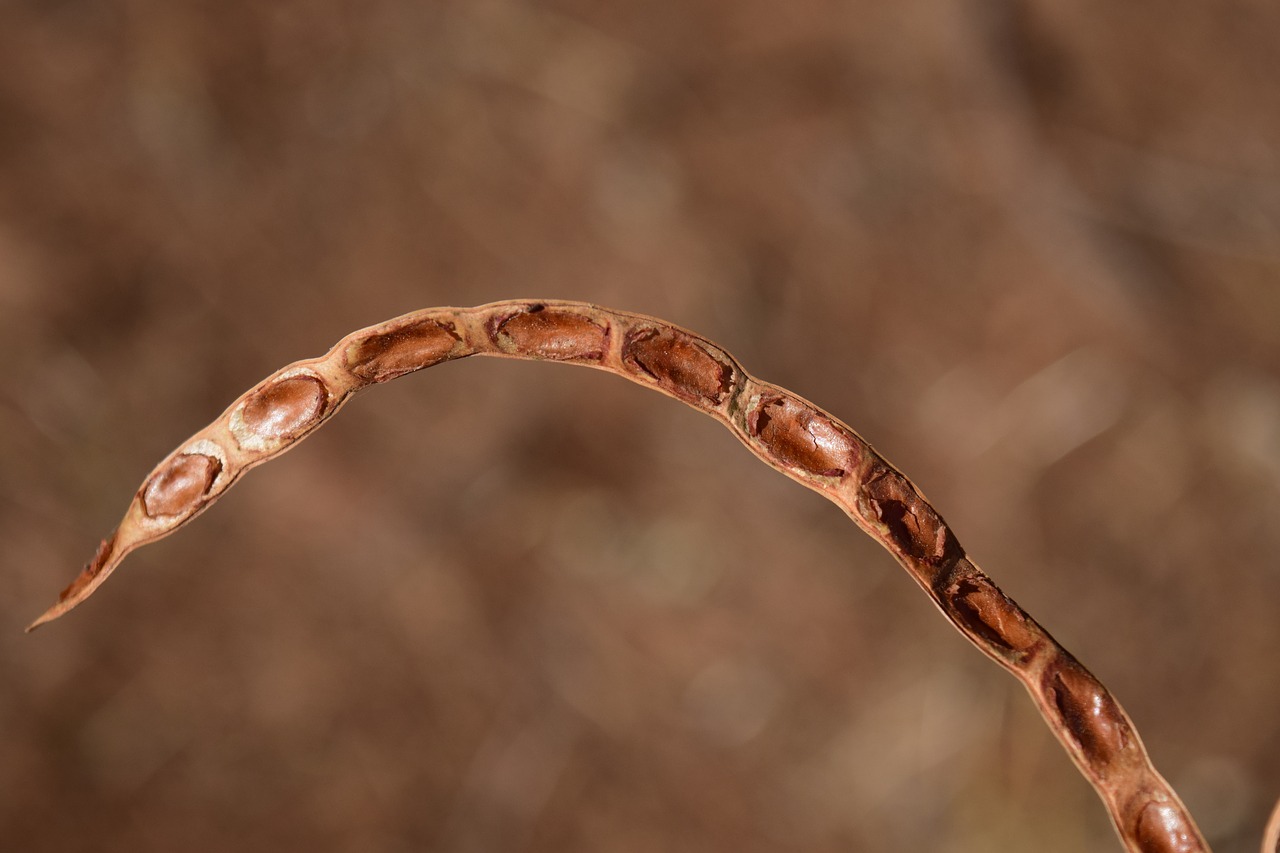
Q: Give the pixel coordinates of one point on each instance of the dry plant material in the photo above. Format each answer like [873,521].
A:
[787,432]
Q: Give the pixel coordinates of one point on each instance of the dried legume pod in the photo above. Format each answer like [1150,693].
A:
[787,432]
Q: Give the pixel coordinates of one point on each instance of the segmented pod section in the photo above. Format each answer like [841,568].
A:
[787,432]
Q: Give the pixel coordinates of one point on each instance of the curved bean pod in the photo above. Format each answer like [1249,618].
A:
[787,432]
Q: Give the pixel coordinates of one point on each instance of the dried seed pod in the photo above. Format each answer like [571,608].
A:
[400,349]
[179,486]
[553,334]
[980,608]
[1091,718]
[279,411]
[911,525]
[801,437]
[682,364]
[788,433]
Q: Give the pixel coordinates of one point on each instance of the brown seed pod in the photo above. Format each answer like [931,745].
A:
[788,433]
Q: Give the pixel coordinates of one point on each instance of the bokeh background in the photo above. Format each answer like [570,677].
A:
[1030,250]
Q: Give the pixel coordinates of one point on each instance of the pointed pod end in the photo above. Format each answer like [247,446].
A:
[48,616]
[102,565]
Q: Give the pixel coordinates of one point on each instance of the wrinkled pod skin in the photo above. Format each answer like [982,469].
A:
[788,433]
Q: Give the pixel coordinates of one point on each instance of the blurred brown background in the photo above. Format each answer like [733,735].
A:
[1031,252]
